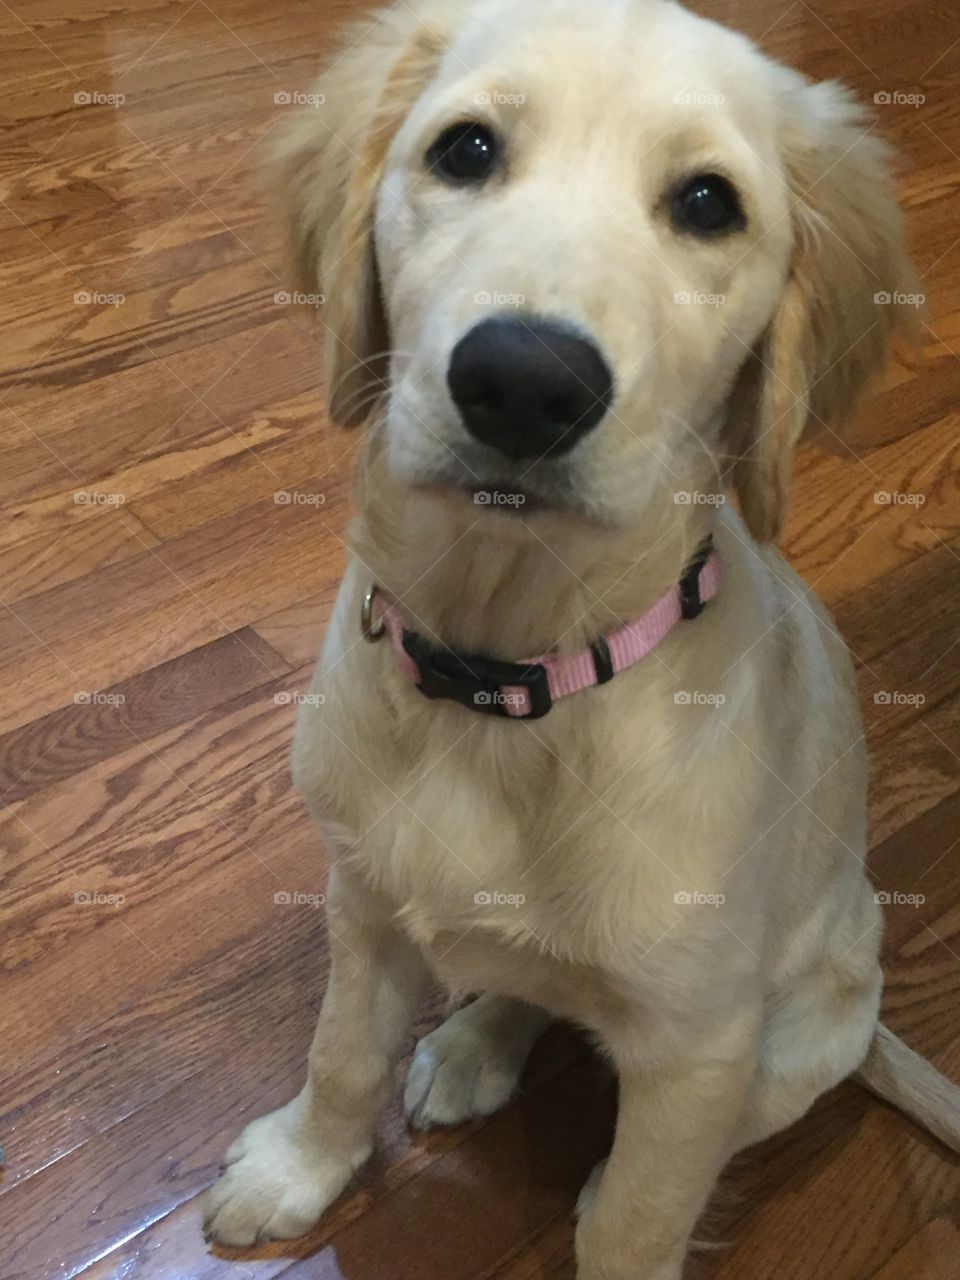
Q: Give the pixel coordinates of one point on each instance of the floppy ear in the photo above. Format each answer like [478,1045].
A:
[849,289]
[330,166]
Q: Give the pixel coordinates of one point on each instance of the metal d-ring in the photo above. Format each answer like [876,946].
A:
[372,630]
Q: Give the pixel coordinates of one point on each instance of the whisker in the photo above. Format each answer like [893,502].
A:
[714,455]
[389,353]
[368,392]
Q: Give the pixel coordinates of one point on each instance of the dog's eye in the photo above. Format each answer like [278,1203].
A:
[707,205]
[464,153]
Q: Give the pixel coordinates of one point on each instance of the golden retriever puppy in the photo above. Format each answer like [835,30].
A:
[581,266]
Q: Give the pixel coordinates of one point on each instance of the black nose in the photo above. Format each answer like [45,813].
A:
[528,387]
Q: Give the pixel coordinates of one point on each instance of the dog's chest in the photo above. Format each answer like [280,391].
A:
[512,855]
[459,822]
[457,852]
[500,864]
[480,902]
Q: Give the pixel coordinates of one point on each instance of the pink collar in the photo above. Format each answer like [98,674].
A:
[527,690]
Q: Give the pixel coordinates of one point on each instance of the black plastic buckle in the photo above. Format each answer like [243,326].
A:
[477,683]
[691,605]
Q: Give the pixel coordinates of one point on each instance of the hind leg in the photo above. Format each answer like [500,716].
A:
[471,1065]
[813,1037]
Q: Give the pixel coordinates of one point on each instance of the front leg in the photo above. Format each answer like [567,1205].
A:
[679,1107]
[288,1166]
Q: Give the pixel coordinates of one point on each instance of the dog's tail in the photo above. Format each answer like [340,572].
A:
[901,1077]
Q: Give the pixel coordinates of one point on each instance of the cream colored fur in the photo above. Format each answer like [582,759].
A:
[684,879]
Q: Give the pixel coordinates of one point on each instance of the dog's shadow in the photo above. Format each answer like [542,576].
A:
[494,1200]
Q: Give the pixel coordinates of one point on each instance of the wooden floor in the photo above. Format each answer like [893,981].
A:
[160,607]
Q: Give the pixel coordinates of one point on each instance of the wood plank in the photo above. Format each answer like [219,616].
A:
[933,1252]
[297,632]
[916,868]
[837,526]
[149,419]
[36,563]
[102,724]
[210,798]
[56,643]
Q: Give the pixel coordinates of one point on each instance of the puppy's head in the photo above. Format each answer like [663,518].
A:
[590,255]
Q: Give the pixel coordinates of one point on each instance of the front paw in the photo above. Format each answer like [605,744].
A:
[278,1184]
